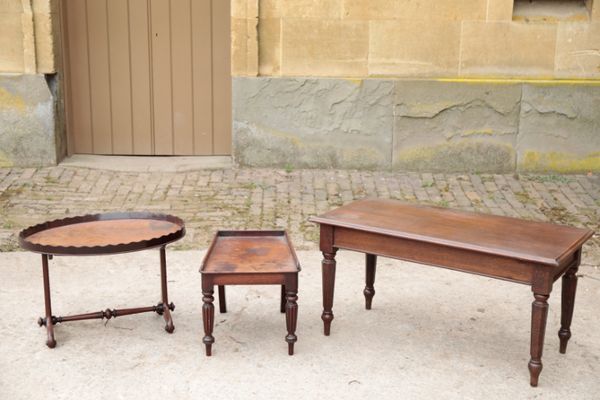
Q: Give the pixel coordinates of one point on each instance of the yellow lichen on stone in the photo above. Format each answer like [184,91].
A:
[560,162]
[5,162]
[10,101]
[474,155]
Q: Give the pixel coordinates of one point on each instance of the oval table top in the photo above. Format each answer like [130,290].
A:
[102,233]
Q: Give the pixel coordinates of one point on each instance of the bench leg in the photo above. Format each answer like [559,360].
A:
[328,274]
[222,303]
[539,314]
[208,317]
[369,292]
[282,303]
[569,287]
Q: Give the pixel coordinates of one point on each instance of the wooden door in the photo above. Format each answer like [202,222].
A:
[147,77]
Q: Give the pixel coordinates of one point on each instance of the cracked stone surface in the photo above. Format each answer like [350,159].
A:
[445,126]
[26,121]
[320,123]
[416,125]
[559,125]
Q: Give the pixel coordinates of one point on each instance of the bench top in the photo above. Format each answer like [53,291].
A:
[537,242]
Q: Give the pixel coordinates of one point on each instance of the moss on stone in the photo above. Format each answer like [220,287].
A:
[472,155]
[534,161]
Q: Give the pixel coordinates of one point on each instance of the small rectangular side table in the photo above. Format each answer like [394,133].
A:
[250,258]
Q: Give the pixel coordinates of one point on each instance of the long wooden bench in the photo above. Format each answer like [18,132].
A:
[533,253]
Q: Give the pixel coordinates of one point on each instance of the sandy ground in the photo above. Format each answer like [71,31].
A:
[432,333]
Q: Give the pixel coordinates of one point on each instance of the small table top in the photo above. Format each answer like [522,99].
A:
[532,241]
[102,233]
[250,252]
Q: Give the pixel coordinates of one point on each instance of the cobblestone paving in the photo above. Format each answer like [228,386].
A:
[268,198]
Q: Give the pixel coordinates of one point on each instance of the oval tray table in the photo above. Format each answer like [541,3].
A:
[101,234]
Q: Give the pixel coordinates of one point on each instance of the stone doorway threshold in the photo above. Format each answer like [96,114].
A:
[147,163]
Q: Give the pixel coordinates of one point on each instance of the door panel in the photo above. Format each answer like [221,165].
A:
[120,77]
[141,97]
[148,76]
[202,77]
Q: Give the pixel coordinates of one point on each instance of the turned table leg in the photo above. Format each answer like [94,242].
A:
[166,307]
[208,317]
[328,272]
[369,292]
[50,341]
[539,314]
[291,312]
[282,302]
[222,303]
[569,287]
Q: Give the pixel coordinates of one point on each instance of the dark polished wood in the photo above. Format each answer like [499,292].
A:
[50,341]
[527,252]
[98,234]
[539,315]
[369,291]
[569,288]
[103,234]
[250,258]
[291,310]
[222,303]
[208,316]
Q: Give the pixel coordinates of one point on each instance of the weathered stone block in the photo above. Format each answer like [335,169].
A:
[560,128]
[27,129]
[317,123]
[578,50]
[499,10]
[507,49]
[244,46]
[269,32]
[596,11]
[415,9]
[311,8]
[11,42]
[324,47]
[408,48]
[442,126]
[244,8]
[44,41]
[269,9]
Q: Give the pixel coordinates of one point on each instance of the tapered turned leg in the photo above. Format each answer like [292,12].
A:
[222,303]
[569,287]
[328,272]
[282,304]
[166,313]
[50,342]
[369,292]
[539,314]
[291,312]
[208,317]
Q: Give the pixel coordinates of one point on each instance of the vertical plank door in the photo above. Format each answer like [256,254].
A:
[147,77]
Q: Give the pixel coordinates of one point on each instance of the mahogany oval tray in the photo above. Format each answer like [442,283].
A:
[108,233]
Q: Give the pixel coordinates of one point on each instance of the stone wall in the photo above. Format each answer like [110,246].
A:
[27,122]
[422,125]
[30,132]
[28,29]
[416,38]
